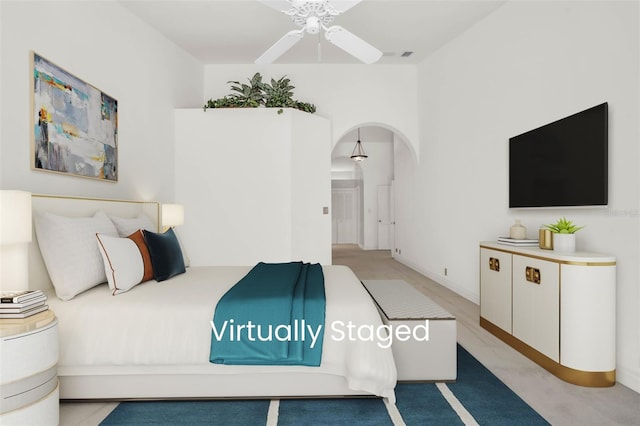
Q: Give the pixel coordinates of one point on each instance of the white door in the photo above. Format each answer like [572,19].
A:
[343,217]
[392,218]
[384,217]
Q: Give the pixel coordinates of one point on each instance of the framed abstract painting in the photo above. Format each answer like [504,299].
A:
[74,125]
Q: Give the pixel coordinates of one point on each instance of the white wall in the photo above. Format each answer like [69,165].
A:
[253,192]
[310,187]
[527,64]
[105,45]
[408,222]
[348,95]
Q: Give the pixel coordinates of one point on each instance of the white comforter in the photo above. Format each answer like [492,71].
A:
[168,323]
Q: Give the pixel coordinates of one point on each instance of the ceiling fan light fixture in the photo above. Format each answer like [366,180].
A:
[312,16]
[313,25]
[358,152]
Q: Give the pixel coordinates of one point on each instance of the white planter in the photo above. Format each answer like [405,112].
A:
[564,243]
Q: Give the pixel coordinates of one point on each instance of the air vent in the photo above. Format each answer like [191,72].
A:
[406,54]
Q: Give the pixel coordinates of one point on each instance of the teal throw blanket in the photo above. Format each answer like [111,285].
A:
[273,316]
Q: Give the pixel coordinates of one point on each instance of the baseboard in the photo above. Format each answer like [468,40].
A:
[628,377]
[444,281]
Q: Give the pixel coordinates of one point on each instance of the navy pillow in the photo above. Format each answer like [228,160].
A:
[166,256]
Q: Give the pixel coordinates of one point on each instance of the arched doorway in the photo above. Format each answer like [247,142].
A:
[363,194]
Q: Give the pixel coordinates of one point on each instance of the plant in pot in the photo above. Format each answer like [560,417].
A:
[249,95]
[564,238]
[277,94]
[245,96]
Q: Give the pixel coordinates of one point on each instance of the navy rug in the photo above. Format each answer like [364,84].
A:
[477,397]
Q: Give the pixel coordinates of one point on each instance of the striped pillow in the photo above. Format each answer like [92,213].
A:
[127,262]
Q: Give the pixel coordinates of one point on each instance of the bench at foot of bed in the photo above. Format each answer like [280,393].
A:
[402,307]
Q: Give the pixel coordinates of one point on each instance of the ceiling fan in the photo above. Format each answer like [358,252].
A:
[312,16]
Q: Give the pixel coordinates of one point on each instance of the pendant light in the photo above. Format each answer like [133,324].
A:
[358,152]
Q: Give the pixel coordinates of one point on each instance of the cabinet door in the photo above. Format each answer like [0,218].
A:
[495,288]
[536,304]
[588,323]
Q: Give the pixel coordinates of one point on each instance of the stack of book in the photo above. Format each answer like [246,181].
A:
[22,304]
[518,242]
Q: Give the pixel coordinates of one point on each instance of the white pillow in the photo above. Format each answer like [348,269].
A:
[185,256]
[69,250]
[127,226]
[124,262]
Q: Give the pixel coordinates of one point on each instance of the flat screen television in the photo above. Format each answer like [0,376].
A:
[561,164]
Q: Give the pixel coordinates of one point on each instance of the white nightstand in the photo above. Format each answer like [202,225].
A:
[28,376]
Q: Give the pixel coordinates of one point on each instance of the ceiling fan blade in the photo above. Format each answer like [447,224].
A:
[352,44]
[279,5]
[285,43]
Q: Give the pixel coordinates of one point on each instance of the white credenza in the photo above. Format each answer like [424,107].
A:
[28,374]
[558,309]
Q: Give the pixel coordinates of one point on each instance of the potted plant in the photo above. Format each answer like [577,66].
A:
[249,95]
[564,238]
[277,94]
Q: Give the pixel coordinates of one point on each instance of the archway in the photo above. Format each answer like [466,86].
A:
[363,194]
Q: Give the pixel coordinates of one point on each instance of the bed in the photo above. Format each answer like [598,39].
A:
[153,341]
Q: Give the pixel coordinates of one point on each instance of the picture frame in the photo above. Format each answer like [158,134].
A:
[74,125]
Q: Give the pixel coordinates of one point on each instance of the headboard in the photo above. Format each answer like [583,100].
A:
[79,207]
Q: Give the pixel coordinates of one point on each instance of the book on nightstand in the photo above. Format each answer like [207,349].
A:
[22,304]
[24,314]
[19,296]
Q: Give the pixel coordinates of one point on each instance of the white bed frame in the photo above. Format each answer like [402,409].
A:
[169,381]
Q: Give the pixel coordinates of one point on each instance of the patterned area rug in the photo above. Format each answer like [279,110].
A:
[476,398]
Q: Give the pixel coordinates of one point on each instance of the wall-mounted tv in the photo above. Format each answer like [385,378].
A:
[561,164]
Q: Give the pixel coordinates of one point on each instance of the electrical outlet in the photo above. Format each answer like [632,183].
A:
[445,272]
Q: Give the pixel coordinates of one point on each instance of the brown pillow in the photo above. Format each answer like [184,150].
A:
[138,238]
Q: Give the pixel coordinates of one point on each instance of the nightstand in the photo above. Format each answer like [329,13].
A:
[28,375]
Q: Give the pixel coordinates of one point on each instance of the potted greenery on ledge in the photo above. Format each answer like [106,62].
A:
[564,238]
[276,94]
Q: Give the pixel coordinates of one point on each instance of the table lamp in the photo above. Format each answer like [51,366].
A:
[15,234]
[172,215]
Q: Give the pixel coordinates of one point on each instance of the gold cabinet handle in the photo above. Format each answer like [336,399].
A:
[494,264]
[532,274]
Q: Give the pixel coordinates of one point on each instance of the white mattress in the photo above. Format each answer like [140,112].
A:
[159,324]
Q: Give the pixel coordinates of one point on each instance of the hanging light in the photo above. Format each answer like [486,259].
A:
[358,152]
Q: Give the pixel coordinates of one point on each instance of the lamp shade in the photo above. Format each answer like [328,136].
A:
[358,152]
[15,217]
[172,215]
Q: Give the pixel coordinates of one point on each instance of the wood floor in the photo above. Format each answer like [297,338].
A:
[558,402]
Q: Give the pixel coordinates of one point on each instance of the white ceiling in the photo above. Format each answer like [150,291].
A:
[239,31]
